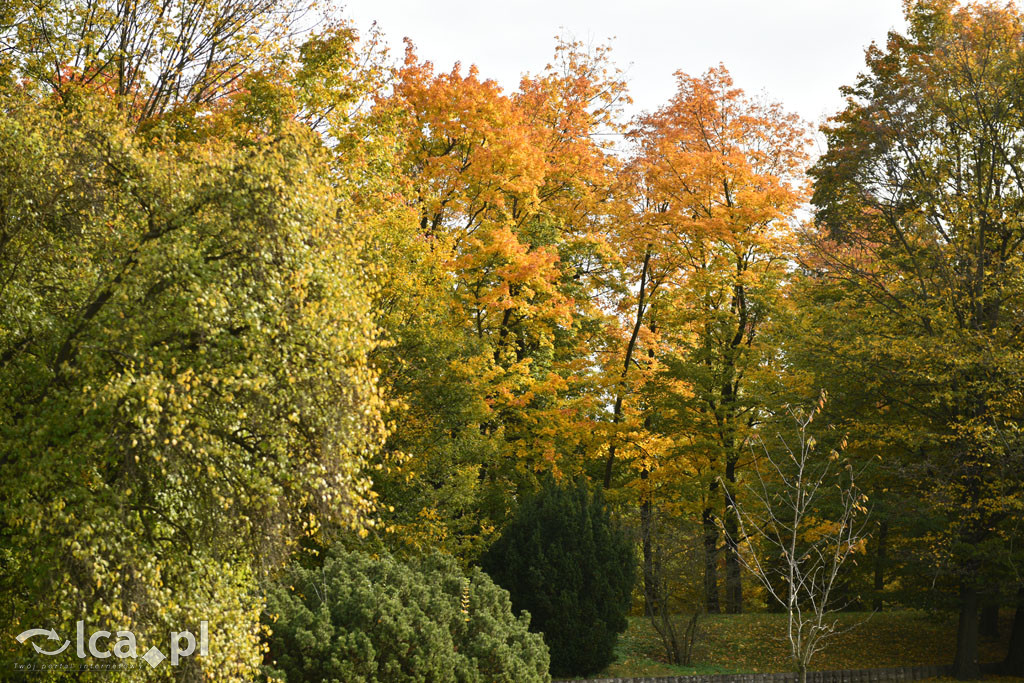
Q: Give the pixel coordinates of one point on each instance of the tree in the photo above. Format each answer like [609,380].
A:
[493,314]
[151,56]
[715,183]
[790,519]
[366,618]
[918,248]
[564,560]
[184,342]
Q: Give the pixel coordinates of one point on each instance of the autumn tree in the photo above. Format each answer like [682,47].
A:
[717,180]
[918,249]
[505,191]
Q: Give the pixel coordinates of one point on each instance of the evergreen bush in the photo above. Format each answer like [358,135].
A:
[566,562]
[367,619]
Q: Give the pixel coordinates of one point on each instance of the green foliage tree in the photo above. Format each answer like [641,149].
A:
[184,375]
[565,560]
[365,618]
[918,252]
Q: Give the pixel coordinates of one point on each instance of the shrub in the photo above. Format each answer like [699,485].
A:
[364,618]
[564,561]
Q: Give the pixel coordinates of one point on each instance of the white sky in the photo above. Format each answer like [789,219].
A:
[798,52]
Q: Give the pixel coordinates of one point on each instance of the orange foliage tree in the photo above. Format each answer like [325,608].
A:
[713,188]
[507,191]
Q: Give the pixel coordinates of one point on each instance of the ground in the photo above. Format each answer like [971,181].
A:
[748,643]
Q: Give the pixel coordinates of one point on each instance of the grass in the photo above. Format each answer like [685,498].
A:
[755,643]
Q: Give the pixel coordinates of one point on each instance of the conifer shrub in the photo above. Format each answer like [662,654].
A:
[564,560]
[365,618]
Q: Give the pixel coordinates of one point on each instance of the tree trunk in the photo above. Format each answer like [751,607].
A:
[652,567]
[641,308]
[710,556]
[733,575]
[988,625]
[609,464]
[646,529]
[965,664]
[880,561]
[1013,665]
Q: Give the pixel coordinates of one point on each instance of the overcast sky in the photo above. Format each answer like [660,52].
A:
[797,51]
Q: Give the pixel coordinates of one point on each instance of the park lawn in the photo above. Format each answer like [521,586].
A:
[749,643]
